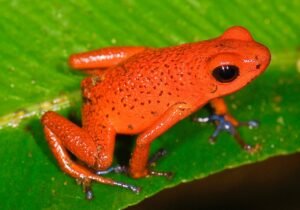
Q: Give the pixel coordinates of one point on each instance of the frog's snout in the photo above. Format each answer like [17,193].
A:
[264,58]
[260,59]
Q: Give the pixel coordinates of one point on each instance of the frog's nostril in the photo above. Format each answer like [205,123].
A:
[258,66]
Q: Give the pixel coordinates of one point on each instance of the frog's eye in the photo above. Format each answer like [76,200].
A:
[225,73]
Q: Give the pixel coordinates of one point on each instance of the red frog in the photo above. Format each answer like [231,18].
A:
[144,91]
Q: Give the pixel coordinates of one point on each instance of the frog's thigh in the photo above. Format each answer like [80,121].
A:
[102,133]
[62,134]
[102,58]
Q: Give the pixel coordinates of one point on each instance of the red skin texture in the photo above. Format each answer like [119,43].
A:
[145,91]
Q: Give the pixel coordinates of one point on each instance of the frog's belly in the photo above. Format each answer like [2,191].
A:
[134,123]
[135,112]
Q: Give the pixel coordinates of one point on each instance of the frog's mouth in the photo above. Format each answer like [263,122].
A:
[214,89]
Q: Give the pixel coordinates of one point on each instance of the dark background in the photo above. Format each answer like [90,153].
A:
[271,184]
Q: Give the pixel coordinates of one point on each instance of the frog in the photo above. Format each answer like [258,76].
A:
[144,91]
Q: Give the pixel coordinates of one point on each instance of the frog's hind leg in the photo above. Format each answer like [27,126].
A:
[63,135]
[97,60]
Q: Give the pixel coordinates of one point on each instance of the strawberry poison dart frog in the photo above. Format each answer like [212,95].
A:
[144,91]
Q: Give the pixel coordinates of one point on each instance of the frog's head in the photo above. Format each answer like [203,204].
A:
[235,59]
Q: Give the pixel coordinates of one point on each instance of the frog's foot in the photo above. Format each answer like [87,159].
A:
[152,163]
[114,169]
[87,189]
[148,172]
[222,124]
[86,184]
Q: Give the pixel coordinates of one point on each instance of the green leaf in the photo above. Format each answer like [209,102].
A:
[36,38]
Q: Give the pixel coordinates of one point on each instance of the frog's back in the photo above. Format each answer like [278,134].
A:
[141,89]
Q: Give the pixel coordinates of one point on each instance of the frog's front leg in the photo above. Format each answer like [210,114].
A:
[138,166]
[63,136]
[225,121]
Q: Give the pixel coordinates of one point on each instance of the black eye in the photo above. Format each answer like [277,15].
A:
[226,73]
